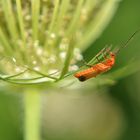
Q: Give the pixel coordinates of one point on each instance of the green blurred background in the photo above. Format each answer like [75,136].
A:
[111,114]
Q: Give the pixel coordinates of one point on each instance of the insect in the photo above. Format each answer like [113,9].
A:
[103,66]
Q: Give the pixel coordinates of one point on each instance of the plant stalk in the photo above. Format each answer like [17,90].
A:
[32,105]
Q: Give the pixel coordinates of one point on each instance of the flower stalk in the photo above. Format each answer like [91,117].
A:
[32,111]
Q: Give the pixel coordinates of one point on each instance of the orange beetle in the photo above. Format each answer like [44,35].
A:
[103,66]
[97,69]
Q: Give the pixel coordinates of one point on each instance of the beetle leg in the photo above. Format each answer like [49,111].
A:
[85,63]
[97,59]
[98,54]
[106,52]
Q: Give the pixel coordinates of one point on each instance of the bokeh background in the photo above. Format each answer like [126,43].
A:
[111,113]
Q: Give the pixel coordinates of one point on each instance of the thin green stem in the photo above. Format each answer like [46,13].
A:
[24,80]
[32,105]
[40,73]
[53,20]
[76,16]
[20,20]
[10,19]
[4,41]
[68,58]
[16,75]
[35,18]
[54,16]
[23,47]
[63,9]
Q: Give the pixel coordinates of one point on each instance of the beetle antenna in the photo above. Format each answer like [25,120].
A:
[127,42]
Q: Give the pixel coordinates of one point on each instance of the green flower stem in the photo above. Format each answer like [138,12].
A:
[32,105]
[74,22]
[53,20]
[23,47]
[54,17]
[20,20]
[68,58]
[35,17]
[63,9]
[10,19]
[4,41]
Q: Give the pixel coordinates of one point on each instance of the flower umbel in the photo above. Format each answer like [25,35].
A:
[41,40]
